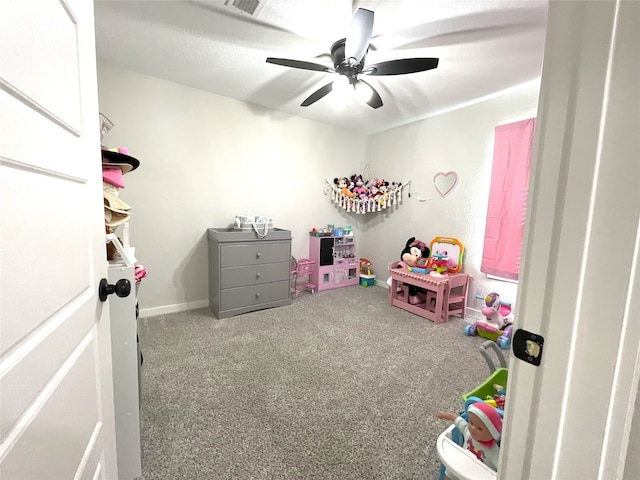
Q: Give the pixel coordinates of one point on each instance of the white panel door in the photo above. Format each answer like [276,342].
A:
[572,416]
[57,416]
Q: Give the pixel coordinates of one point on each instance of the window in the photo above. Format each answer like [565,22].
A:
[504,230]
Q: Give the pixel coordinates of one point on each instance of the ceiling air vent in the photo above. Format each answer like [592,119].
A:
[251,7]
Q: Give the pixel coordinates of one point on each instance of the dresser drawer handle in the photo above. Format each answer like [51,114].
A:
[258,275]
[258,255]
[258,295]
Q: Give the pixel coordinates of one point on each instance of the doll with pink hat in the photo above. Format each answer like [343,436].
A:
[481,432]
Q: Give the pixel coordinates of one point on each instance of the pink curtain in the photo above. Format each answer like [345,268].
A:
[507,208]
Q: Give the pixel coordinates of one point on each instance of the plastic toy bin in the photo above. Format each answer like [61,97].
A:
[499,372]
[367,280]
[486,390]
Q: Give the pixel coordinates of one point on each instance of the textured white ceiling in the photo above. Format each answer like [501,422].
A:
[484,47]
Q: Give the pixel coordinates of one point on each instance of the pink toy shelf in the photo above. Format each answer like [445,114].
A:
[337,264]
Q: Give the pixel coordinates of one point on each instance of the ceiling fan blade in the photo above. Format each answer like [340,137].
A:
[375,101]
[318,94]
[401,66]
[285,62]
[359,35]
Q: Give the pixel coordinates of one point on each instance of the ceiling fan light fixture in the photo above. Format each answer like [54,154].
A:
[341,90]
[363,92]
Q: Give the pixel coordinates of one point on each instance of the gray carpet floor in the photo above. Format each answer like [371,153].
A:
[339,385]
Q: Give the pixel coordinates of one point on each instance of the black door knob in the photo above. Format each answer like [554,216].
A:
[122,288]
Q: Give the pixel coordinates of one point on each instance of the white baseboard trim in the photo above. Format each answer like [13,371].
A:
[472,313]
[178,307]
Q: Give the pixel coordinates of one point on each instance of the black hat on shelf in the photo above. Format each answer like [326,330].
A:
[125,162]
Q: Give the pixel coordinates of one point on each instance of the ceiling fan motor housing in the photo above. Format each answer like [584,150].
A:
[342,65]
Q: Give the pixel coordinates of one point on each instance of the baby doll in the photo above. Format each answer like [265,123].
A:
[480,433]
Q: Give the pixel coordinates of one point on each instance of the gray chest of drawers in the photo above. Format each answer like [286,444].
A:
[247,272]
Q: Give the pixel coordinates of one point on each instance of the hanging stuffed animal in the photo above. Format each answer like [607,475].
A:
[358,187]
[343,184]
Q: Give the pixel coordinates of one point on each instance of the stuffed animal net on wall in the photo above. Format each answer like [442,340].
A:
[356,194]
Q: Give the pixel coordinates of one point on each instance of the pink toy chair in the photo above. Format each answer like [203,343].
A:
[455,297]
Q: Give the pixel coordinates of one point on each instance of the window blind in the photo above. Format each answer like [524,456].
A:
[506,211]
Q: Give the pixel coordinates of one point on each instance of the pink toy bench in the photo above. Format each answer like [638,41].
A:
[445,295]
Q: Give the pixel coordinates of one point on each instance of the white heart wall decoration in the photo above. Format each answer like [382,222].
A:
[445,183]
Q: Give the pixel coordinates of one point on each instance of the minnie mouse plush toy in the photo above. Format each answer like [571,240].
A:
[343,184]
[413,250]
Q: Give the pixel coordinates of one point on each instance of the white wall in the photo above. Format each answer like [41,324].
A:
[462,141]
[205,158]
